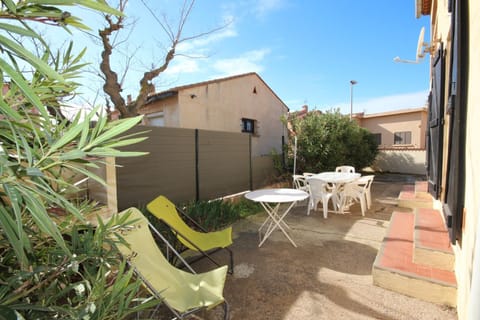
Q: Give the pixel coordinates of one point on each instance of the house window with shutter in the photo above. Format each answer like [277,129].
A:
[402,137]
[248,125]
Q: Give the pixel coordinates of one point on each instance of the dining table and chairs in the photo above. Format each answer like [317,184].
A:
[334,184]
[341,188]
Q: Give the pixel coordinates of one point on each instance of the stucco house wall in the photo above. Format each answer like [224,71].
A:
[387,123]
[467,252]
[400,158]
[221,104]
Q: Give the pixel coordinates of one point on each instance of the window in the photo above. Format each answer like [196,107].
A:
[403,137]
[156,119]
[248,125]
[378,138]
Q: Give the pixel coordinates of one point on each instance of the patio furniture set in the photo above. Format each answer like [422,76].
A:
[343,187]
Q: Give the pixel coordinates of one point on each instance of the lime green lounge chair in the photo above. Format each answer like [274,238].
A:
[182,292]
[205,243]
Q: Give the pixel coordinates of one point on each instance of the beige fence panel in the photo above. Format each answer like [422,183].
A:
[168,169]
[263,171]
[223,163]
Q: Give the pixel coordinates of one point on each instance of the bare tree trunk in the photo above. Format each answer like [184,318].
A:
[112,87]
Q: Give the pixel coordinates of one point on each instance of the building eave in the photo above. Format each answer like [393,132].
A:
[175,90]
[422,8]
[392,113]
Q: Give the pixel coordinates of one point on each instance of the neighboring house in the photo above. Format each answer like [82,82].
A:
[453,154]
[241,103]
[400,129]
[400,136]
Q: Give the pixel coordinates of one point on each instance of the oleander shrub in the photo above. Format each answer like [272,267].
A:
[326,140]
[53,264]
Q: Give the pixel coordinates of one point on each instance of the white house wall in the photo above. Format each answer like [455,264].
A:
[221,105]
[465,252]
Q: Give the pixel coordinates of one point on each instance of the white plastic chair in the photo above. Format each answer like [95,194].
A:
[353,192]
[319,191]
[366,180]
[348,169]
[299,182]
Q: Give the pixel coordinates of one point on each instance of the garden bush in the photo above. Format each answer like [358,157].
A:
[327,140]
[53,264]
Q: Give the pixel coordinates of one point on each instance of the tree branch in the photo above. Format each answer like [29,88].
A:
[111,87]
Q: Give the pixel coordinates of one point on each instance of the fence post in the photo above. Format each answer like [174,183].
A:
[250,159]
[197,182]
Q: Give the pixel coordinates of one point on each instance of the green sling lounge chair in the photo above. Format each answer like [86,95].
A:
[204,242]
[182,292]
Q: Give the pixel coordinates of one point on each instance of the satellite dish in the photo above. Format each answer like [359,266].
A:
[422,48]
[421,44]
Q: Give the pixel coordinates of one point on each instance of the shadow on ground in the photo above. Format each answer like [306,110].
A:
[328,276]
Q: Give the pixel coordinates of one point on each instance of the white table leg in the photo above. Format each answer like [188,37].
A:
[275,220]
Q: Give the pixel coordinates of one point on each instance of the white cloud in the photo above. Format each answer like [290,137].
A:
[386,103]
[264,7]
[182,65]
[202,43]
[247,62]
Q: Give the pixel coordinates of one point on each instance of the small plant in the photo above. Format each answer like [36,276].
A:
[212,215]
[218,214]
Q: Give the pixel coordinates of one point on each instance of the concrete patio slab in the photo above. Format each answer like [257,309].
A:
[329,275]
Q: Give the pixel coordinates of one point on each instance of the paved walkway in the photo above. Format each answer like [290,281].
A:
[328,276]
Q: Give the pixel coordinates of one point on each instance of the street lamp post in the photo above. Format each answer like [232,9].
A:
[352,83]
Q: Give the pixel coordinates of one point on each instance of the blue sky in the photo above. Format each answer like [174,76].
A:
[306,51]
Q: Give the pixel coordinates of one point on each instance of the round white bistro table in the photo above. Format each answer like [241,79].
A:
[271,199]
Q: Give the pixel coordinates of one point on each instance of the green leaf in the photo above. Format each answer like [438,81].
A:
[85,172]
[95,5]
[29,57]
[125,142]
[34,172]
[7,314]
[107,152]
[73,131]
[7,110]
[43,221]
[84,136]
[120,126]
[11,6]
[23,85]
[18,30]
[9,229]
[72,155]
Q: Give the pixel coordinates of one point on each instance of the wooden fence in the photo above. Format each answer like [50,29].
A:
[186,165]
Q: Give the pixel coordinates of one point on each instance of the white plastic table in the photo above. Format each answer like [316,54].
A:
[271,199]
[337,180]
